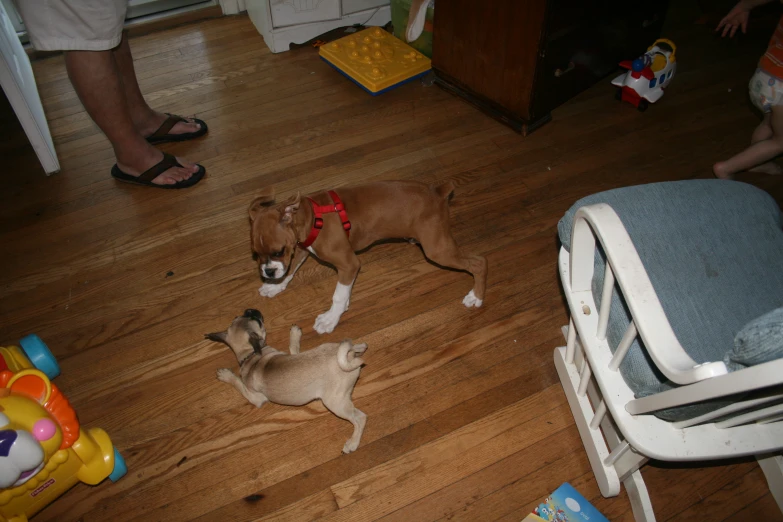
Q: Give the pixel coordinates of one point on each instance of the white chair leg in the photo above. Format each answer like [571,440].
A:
[640,499]
[772,466]
[629,462]
[583,413]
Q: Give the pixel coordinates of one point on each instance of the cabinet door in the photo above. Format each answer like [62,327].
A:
[13,15]
[18,82]
[490,49]
[295,12]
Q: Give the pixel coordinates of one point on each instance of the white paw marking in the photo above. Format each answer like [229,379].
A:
[271,290]
[225,375]
[472,301]
[326,322]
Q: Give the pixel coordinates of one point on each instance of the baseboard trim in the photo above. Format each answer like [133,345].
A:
[163,21]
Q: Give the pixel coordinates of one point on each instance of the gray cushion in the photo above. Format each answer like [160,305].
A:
[713,250]
[759,341]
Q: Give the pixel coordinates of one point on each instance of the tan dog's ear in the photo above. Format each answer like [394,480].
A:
[289,208]
[265,200]
[218,337]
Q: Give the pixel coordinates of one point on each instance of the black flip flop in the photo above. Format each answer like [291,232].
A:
[162,134]
[153,172]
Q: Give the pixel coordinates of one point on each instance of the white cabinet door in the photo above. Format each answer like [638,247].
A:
[294,12]
[18,82]
[354,6]
[13,15]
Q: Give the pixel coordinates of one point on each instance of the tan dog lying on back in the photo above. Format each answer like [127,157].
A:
[328,372]
[283,235]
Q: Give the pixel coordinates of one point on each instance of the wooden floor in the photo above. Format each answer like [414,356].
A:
[466,417]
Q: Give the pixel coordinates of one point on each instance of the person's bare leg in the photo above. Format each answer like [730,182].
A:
[764,132]
[759,155]
[144,117]
[95,78]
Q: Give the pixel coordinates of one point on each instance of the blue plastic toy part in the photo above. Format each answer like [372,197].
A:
[38,353]
[637,65]
[120,469]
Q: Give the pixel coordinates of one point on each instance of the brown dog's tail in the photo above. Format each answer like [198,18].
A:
[445,190]
[346,355]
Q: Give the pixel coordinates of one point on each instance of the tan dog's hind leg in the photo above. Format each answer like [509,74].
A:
[441,248]
[347,270]
[255,398]
[295,338]
[343,407]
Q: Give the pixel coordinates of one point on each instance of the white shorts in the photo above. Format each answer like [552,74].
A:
[73,25]
[766,91]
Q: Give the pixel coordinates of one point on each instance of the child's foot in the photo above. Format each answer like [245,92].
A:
[721,171]
[769,167]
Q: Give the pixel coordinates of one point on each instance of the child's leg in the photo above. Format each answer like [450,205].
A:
[764,132]
[760,152]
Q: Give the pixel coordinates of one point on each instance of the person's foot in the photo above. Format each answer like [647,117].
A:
[141,163]
[721,171]
[769,167]
[148,124]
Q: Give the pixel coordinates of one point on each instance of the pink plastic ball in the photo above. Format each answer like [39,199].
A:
[44,429]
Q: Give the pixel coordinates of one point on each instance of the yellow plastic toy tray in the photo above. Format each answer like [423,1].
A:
[375,59]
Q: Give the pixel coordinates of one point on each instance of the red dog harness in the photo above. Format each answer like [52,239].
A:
[318,222]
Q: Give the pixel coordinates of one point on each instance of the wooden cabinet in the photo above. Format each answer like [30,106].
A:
[519,59]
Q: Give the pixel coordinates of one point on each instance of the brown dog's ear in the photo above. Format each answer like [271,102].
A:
[265,200]
[289,208]
[218,337]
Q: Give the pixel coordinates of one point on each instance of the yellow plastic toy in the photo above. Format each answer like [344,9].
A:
[375,60]
[43,451]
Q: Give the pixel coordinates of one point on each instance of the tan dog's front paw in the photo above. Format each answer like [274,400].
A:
[471,300]
[271,290]
[225,375]
[296,333]
[350,447]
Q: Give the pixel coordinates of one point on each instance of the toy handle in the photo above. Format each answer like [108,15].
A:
[668,42]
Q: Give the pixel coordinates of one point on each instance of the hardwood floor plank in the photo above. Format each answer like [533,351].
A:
[744,490]
[762,508]
[466,417]
[457,497]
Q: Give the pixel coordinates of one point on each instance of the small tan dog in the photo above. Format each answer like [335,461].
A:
[328,372]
